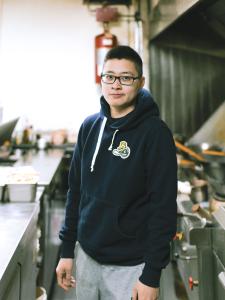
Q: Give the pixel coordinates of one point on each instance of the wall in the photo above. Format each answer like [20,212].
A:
[47,61]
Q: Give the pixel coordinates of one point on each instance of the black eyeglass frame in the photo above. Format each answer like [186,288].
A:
[119,77]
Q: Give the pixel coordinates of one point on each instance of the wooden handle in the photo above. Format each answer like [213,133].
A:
[214,152]
[196,208]
[189,151]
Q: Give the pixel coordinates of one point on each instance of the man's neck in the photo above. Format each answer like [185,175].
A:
[119,113]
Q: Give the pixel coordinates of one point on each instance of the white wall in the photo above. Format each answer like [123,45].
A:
[47,61]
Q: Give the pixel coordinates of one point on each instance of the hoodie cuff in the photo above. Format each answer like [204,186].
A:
[67,249]
[150,277]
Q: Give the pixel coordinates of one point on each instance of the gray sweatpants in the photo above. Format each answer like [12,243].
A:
[95,281]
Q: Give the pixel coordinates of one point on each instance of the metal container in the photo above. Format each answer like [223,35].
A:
[19,192]
[199,190]
[1,192]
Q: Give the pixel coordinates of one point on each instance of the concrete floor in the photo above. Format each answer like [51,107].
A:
[171,281]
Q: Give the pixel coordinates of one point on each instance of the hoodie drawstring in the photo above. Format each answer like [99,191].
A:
[98,143]
[111,145]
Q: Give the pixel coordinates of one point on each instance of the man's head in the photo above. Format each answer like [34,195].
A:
[126,52]
[121,79]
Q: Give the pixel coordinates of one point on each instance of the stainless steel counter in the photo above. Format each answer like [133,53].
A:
[45,162]
[18,221]
[14,222]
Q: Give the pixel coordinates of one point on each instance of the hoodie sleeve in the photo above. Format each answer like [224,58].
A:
[68,232]
[162,192]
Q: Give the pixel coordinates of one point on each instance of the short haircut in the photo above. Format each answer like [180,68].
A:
[126,52]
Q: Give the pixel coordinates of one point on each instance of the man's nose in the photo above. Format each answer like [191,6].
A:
[116,84]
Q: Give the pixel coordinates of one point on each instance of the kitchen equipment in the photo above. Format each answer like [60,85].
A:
[215,171]
[196,243]
[183,252]
[4,172]
[217,187]
[216,202]
[21,184]
[213,152]
[6,130]
[205,150]
[1,191]
[205,147]
[213,164]
[192,154]
[200,253]
[203,221]
[199,191]
[218,246]
[213,159]
[186,163]
[19,192]
[214,167]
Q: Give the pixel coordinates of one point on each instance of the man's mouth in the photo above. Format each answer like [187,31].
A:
[116,95]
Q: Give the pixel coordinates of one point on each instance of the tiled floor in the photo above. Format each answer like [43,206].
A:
[173,287]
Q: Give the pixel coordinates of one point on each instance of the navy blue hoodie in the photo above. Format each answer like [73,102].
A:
[121,203]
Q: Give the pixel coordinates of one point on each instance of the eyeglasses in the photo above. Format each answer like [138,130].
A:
[124,80]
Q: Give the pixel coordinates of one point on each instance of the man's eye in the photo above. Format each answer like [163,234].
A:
[109,77]
[126,78]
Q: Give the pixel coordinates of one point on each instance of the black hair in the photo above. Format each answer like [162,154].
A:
[126,52]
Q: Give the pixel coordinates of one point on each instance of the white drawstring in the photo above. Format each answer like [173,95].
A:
[98,143]
[114,134]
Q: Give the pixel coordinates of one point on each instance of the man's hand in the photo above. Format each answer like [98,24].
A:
[144,292]
[63,272]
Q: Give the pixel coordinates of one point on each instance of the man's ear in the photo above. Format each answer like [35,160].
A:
[142,82]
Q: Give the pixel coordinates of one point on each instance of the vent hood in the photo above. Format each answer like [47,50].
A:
[167,13]
[215,16]
[213,130]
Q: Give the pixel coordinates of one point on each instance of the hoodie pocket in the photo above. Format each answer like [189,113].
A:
[125,230]
[98,222]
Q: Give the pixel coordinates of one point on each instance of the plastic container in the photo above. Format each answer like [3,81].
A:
[19,192]
[41,293]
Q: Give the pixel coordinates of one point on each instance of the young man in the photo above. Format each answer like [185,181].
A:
[121,203]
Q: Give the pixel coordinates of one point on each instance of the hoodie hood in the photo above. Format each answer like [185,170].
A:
[145,107]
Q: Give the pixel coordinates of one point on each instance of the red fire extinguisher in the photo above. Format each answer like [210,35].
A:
[103,43]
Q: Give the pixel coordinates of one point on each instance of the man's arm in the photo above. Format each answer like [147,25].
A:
[64,273]
[68,232]
[161,168]
[144,292]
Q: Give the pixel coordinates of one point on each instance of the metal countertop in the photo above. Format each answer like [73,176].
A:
[14,221]
[16,218]
[45,162]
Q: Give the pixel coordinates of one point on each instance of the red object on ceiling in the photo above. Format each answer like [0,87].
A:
[107,14]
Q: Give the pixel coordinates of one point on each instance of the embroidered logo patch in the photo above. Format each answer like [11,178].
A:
[122,150]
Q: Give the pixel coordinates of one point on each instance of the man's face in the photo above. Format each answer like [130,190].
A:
[120,97]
